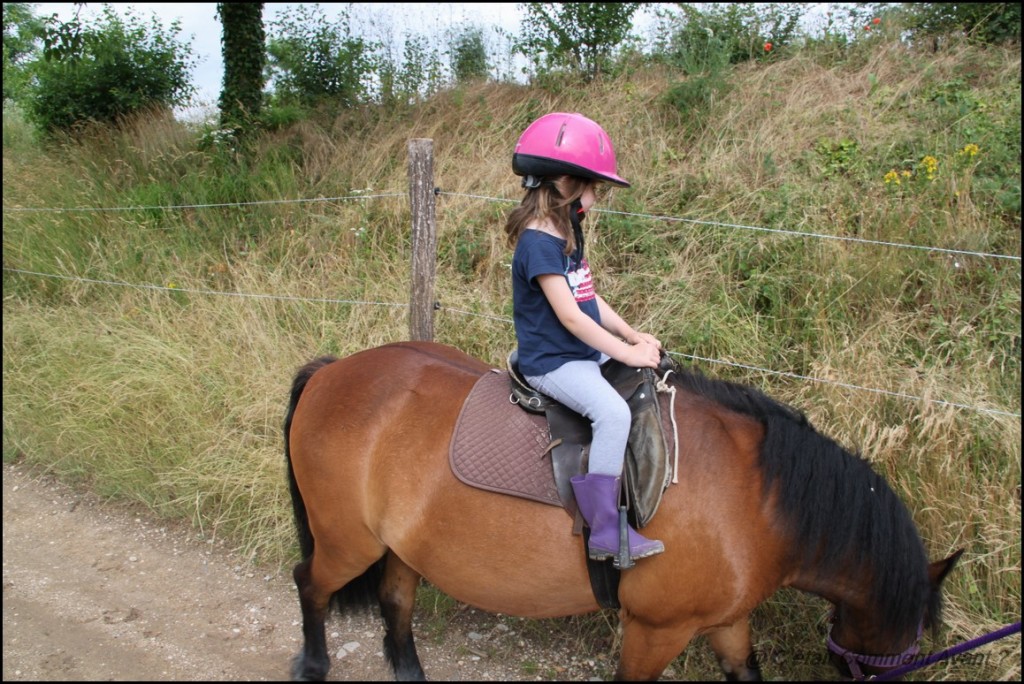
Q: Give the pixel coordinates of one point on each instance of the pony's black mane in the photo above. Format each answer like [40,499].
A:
[838,512]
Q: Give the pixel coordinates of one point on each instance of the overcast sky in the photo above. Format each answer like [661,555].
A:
[200,25]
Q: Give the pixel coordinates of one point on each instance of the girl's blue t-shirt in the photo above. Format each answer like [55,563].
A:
[544,343]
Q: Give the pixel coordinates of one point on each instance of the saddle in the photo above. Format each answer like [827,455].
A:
[646,471]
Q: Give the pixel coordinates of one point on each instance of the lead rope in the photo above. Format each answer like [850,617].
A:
[663,386]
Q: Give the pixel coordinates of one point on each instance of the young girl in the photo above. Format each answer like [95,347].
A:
[564,329]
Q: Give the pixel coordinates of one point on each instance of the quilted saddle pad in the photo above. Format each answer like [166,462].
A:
[500,447]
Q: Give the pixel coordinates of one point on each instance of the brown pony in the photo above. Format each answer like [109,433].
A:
[764,501]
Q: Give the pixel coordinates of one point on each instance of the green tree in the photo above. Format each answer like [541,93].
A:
[106,70]
[986,22]
[469,55]
[313,61]
[23,33]
[741,29]
[242,44]
[420,73]
[580,37]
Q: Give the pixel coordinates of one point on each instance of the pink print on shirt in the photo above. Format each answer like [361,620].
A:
[581,284]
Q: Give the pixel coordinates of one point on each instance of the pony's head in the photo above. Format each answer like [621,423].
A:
[861,645]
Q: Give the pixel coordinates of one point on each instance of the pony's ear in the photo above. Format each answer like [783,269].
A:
[938,570]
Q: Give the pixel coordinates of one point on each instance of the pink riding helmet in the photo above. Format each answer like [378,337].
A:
[562,144]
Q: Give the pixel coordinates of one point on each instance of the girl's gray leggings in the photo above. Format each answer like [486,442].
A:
[580,386]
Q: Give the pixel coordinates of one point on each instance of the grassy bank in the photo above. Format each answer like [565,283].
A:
[173,395]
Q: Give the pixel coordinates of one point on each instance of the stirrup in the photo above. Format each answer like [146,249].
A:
[622,560]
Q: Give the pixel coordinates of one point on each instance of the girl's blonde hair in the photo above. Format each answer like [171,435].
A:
[548,201]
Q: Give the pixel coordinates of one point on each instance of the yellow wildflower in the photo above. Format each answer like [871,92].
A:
[892,177]
[970,150]
[931,165]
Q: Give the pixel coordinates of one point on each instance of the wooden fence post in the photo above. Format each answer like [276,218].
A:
[424,238]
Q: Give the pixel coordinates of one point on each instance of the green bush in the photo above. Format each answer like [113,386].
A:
[419,74]
[469,55]
[741,30]
[705,61]
[106,71]
[22,33]
[984,22]
[312,60]
[578,37]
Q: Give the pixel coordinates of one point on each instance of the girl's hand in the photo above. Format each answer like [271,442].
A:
[650,339]
[643,355]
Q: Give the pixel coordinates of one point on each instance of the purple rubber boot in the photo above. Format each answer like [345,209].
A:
[598,497]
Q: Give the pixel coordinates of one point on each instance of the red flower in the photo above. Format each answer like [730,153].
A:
[867,27]
[876,21]
[767,47]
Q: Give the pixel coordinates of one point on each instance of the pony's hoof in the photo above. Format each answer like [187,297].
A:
[302,671]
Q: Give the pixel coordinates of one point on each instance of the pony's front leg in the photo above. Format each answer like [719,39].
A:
[647,650]
[312,663]
[735,656]
[397,600]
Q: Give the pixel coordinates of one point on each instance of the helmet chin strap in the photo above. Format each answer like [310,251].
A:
[576,216]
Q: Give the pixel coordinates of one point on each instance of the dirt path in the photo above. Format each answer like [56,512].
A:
[92,591]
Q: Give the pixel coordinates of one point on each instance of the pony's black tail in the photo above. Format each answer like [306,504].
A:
[362,591]
[298,505]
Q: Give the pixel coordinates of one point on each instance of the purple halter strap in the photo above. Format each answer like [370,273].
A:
[886,662]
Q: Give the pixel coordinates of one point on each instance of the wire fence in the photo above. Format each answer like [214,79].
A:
[503,319]
[778,231]
[438,191]
[177,207]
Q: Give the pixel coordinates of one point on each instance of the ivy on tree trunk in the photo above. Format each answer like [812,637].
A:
[242,45]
